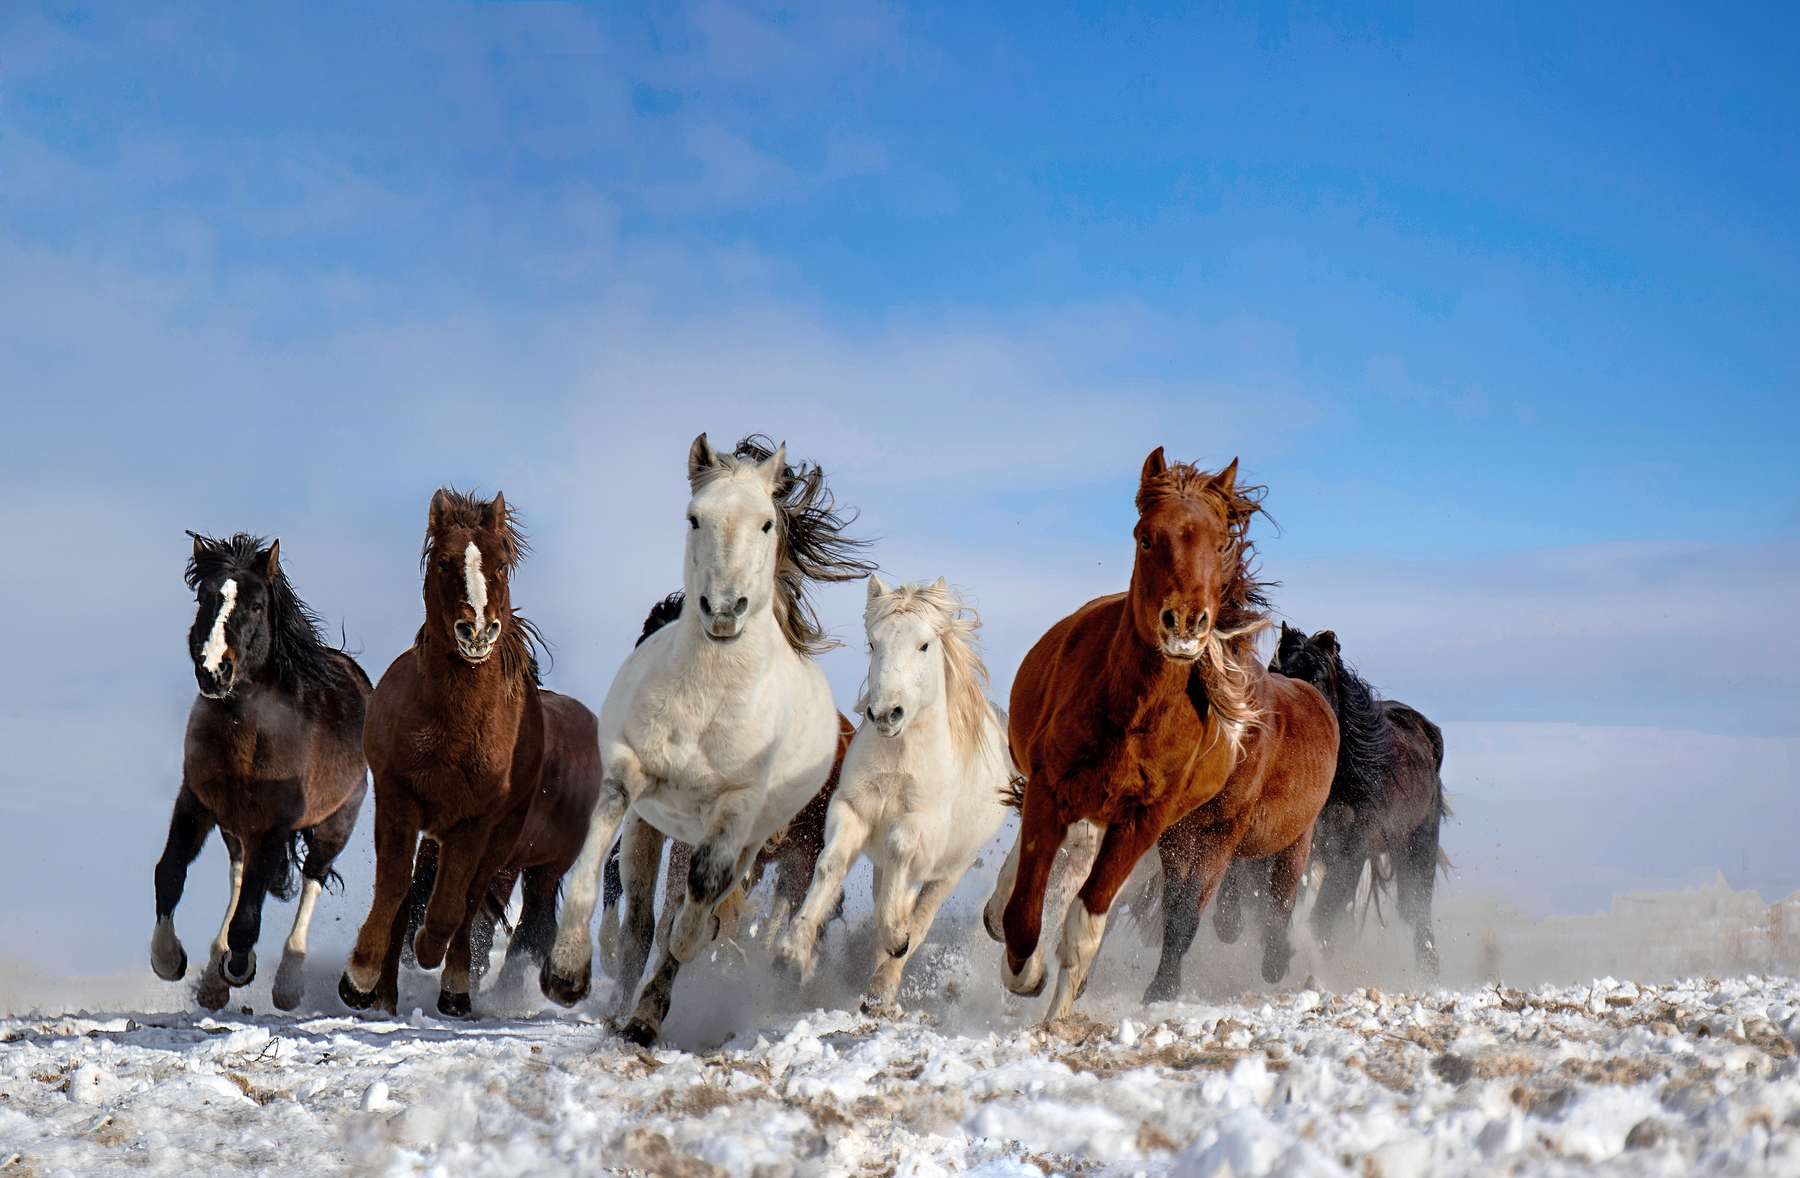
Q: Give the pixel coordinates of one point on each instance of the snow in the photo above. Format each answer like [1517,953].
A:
[1605,1076]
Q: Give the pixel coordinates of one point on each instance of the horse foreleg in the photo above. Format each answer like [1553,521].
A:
[213,991]
[1120,848]
[1041,834]
[264,860]
[371,964]
[640,858]
[714,868]
[491,849]
[894,901]
[1183,882]
[189,825]
[993,913]
[536,930]
[1285,869]
[845,835]
[885,983]
[645,1024]
[611,888]
[568,973]
[1228,902]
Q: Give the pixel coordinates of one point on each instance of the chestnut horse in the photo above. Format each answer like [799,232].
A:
[273,758]
[1141,707]
[458,737]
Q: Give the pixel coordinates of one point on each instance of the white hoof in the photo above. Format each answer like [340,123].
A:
[167,957]
[1029,981]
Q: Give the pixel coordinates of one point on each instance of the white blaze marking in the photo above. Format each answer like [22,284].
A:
[213,653]
[475,585]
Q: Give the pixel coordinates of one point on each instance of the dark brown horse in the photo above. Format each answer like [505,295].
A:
[273,758]
[1142,707]
[1386,804]
[457,739]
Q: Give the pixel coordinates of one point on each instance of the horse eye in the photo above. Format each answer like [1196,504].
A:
[1144,543]
[927,646]
[767,524]
[694,522]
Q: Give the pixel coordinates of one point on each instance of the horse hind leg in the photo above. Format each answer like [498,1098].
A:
[265,862]
[536,931]
[845,836]
[640,858]
[424,879]
[644,1026]
[1415,873]
[885,984]
[324,843]
[371,976]
[189,825]
[1228,903]
[612,886]
[1181,901]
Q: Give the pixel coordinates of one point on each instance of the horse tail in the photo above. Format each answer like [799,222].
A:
[662,613]
[293,855]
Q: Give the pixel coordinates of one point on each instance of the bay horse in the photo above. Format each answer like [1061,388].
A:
[1140,708]
[459,739]
[923,782]
[1386,803]
[720,727]
[273,758]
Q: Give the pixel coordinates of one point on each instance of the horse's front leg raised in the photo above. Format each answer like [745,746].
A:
[568,972]
[713,870]
[1120,848]
[884,984]
[188,827]
[845,835]
[1041,835]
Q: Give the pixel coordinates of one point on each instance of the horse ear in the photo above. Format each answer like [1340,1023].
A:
[199,548]
[440,507]
[496,512]
[700,457]
[940,585]
[772,466]
[268,561]
[1327,642]
[876,588]
[1226,478]
[1155,466]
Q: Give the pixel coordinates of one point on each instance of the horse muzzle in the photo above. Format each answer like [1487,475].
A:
[724,624]
[217,684]
[475,648]
[890,723]
[1181,640]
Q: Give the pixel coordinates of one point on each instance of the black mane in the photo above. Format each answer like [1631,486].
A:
[1365,742]
[661,614]
[300,659]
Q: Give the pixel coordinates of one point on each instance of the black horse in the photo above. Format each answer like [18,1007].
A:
[273,758]
[1386,804]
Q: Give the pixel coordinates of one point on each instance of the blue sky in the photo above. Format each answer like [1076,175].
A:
[1501,303]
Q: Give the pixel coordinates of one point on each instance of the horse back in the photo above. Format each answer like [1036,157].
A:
[1414,779]
[1289,762]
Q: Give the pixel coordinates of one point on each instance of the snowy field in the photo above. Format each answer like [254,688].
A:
[1695,1076]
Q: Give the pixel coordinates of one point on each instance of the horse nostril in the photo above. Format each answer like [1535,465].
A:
[743,604]
[705,606]
[897,712]
[493,630]
[1168,618]
[1200,622]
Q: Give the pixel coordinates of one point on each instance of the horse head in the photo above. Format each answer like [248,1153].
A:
[906,657]
[733,542]
[231,638]
[1316,660]
[1189,534]
[471,547]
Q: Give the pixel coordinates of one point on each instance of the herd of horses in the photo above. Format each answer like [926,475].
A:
[1142,719]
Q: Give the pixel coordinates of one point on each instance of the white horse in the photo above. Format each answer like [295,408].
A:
[720,727]
[923,782]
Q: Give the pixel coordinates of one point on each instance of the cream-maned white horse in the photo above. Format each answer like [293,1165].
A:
[923,783]
[720,726]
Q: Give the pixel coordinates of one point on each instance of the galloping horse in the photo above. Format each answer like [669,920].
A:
[923,781]
[1387,799]
[273,758]
[720,727]
[1141,707]
[468,749]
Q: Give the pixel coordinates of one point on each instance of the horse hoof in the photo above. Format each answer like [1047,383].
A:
[170,973]
[352,997]
[881,1008]
[1275,966]
[453,1005]
[232,977]
[564,991]
[290,981]
[1161,991]
[905,946]
[639,1031]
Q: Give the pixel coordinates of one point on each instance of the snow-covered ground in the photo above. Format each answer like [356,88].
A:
[1673,1078]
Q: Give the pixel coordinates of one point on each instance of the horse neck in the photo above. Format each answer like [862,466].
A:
[453,687]
[751,657]
[1137,678]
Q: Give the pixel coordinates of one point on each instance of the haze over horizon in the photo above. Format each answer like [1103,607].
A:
[1500,304]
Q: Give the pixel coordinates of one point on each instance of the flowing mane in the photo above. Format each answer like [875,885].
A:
[1228,662]
[299,657]
[519,640]
[965,674]
[811,544]
[1365,745]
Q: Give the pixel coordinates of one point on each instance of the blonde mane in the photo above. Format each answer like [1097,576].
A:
[965,674]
